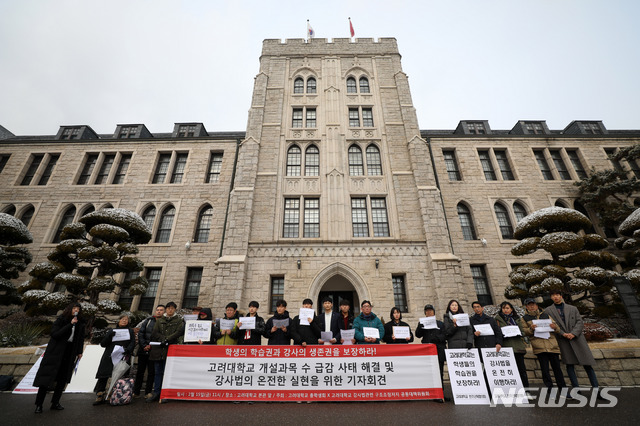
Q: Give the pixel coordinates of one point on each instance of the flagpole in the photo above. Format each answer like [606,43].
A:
[351,31]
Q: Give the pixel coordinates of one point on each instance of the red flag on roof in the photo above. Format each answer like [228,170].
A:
[353,33]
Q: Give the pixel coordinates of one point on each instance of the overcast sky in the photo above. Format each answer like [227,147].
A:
[157,62]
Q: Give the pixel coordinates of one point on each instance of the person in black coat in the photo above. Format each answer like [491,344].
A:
[396,321]
[144,348]
[305,334]
[485,341]
[458,337]
[252,337]
[106,364]
[346,319]
[278,335]
[434,336]
[64,348]
[329,321]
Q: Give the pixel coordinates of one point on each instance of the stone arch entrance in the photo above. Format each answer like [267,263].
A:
[338,281]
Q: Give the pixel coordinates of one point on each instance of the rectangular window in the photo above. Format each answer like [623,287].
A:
[123,166]
[577,164]
[3,161]
[354,117]
[616,164]
[561,167]
[33,168]
[70,133]
[48,171]
[277,291]
[451,164]
[542,163]
[359,217]
[311,117]
[105,168]
[291,226]
[633,164]
[487,166]
[148,299]
[379,217]
[187,131]
[297,118]
[162,168]
[481,284]
[503,164]
[311,218]
[128,132]
[178,168]
[215,166]
[192,288]
[367,117]
[592,128]
[399,294]
[126,299]
[476,128]
[534,128]
[89,164]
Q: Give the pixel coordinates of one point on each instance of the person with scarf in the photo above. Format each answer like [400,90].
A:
[367,319]
[509,317]
[227,336]
[252,337]
[458,337]
[396,321]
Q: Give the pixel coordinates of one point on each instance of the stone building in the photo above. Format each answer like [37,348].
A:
[333,190]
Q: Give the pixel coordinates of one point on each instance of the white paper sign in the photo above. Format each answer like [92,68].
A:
[347,336]
[248,323]
[371,332]
[281,323]
[227,324]
[304,315]
[542,334]
[502,373]
[190,317]
[543,325]
[401,332]
[511,331]
[462,320]
[484,329]
[197,330]
[428,323]
[326,337]
[465,374]
[116,355]
[121,334]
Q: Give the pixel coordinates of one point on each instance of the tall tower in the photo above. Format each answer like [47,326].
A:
[334,191]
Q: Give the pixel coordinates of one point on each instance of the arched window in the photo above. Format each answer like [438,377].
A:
[166,224]
[312,161]
[10,210]
[311,85]
[106,206]
[364,85]
[351,85]
[577,205]
[204,225]
[560,203]
[27,215]
[67,218]
[294,157]
[374,164]
[520,211]
[298,85]
[87,210]
[506,228]
[149,217]
[466,222]
[356,168]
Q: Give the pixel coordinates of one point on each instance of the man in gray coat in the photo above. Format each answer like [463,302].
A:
[573,345]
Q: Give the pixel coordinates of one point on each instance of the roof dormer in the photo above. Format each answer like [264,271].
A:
[189,130]
[76,132]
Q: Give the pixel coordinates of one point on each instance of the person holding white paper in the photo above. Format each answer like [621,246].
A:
[507,316]
[367,319]
[329,322]
[110,342]
[346,321]
[458,337]
[485,340]
[278,334]
[434,336]
[252,337]
[227,336]
[546,350]
[303,334]
[205,314]
[396,321]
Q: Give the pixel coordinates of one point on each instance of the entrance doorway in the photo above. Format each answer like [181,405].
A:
[339,288]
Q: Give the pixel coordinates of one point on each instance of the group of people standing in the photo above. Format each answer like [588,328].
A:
[166,327]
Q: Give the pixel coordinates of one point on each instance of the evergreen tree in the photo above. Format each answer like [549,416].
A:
[13,260]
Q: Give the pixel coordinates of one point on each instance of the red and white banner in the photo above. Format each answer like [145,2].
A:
[294,373]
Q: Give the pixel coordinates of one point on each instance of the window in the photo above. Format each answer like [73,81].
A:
[367,117]
[308,113]
[476,128]
[27,215]
[10,210]
[574,157]
[215,167]
[481,284]
[542,163]
[399,294]
[165,161]
[149,217]
[354,117]
[519,211]
[312,161]
[374,163]
[165,225]
[359,217]
[121,171]
[204,225]
[311,218]
[147,300]
[379,217]
[561,167]
[356,166]
[187,131]
[466,222]
[364,85]
[33,168]
[70,133]
[277,291]
[311,117]
[128,132]
[506,229]
[297,118]
[351,85]
[105,168]
[291,226]
[162,168]
[534,128]
[89,164]
[592,128]
[48,171]
[616,164]
[67,218]
[89,209]
[178,169]
[126,299]
[294,157]
[298,85]
[503,164]
[192,288]
[311,85]
[3,161]
[577,205]
[451,164]
[487,166]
